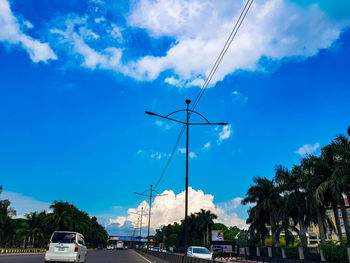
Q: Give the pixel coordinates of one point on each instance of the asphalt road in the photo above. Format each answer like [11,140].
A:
[95,256]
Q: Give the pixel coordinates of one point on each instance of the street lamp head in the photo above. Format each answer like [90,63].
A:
[222,123]
[188,101]
[150,113]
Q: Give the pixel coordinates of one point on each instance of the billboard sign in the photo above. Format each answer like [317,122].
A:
[217,235]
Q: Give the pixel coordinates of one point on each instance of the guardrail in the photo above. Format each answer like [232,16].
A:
[174,258]
[24,251]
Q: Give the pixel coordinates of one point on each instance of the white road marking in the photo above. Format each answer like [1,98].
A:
[142,257]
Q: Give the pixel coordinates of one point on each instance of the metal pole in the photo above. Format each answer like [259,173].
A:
[186,190]
[149,217]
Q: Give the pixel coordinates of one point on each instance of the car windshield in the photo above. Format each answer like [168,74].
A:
[200,250]
[63,238]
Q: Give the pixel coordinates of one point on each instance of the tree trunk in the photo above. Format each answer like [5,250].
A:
[345,218]
[302,232]
[207,235]
[337,222]
[273,236]
[321,227]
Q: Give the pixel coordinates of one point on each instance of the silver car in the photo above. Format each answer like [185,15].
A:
[199,252]
[66,246]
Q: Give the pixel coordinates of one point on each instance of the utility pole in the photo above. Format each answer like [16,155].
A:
[139,220]
[150,196]
[187,123]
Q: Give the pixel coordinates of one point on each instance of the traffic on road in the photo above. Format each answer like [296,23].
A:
[93,256]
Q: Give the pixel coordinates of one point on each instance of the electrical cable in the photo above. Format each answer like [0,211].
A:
[223,52]
[208,79]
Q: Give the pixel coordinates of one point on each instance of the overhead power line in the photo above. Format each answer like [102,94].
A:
[223,52]
[208,80]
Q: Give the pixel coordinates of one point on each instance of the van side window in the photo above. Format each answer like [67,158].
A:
[81,240]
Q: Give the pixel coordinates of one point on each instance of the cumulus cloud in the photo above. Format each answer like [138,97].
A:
[273,29]
[11,33]
[170,208]
[308,149]
[225,133]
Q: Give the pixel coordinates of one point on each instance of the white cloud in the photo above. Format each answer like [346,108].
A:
[170,208]
[152,155]
[239,97]
[99,19]
[162,124]
[119,220]
[11,33]
[158,155]
[24,204]
[206,146]
[116,33]
[274,29]
[190,154]
[225,133]
[308,149]
[107,58]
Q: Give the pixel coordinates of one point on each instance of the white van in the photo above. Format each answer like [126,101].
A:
[65,246]
[120,245]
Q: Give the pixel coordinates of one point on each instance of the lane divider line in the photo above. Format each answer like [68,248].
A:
[142,257]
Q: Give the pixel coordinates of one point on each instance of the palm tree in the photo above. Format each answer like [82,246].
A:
[61,218]
[257,220]
[324,190]
[206,221]
[265,195]
[294,203]
[340,179]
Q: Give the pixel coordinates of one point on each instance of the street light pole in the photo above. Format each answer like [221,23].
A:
[150,207]
[187,123]
[186,183]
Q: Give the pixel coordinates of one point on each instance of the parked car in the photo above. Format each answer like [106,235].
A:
[66,246]
[199,252]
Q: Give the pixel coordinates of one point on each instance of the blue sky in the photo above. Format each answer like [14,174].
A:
[76,78]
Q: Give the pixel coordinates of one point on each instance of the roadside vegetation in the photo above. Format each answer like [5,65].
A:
[35,229]
[302,197]
[200,226]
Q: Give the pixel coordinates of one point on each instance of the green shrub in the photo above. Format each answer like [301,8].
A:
[334,252]
[291,252]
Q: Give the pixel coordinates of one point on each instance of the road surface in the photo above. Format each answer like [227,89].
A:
[95,256]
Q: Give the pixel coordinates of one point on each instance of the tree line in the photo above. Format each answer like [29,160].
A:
[200,225]
[298,198]
[35,229]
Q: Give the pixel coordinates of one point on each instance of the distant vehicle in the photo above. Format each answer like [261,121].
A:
[66,246]
[110,246]
[199,252]
[163,250]
[100,246]
[156,249]
[120,244]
